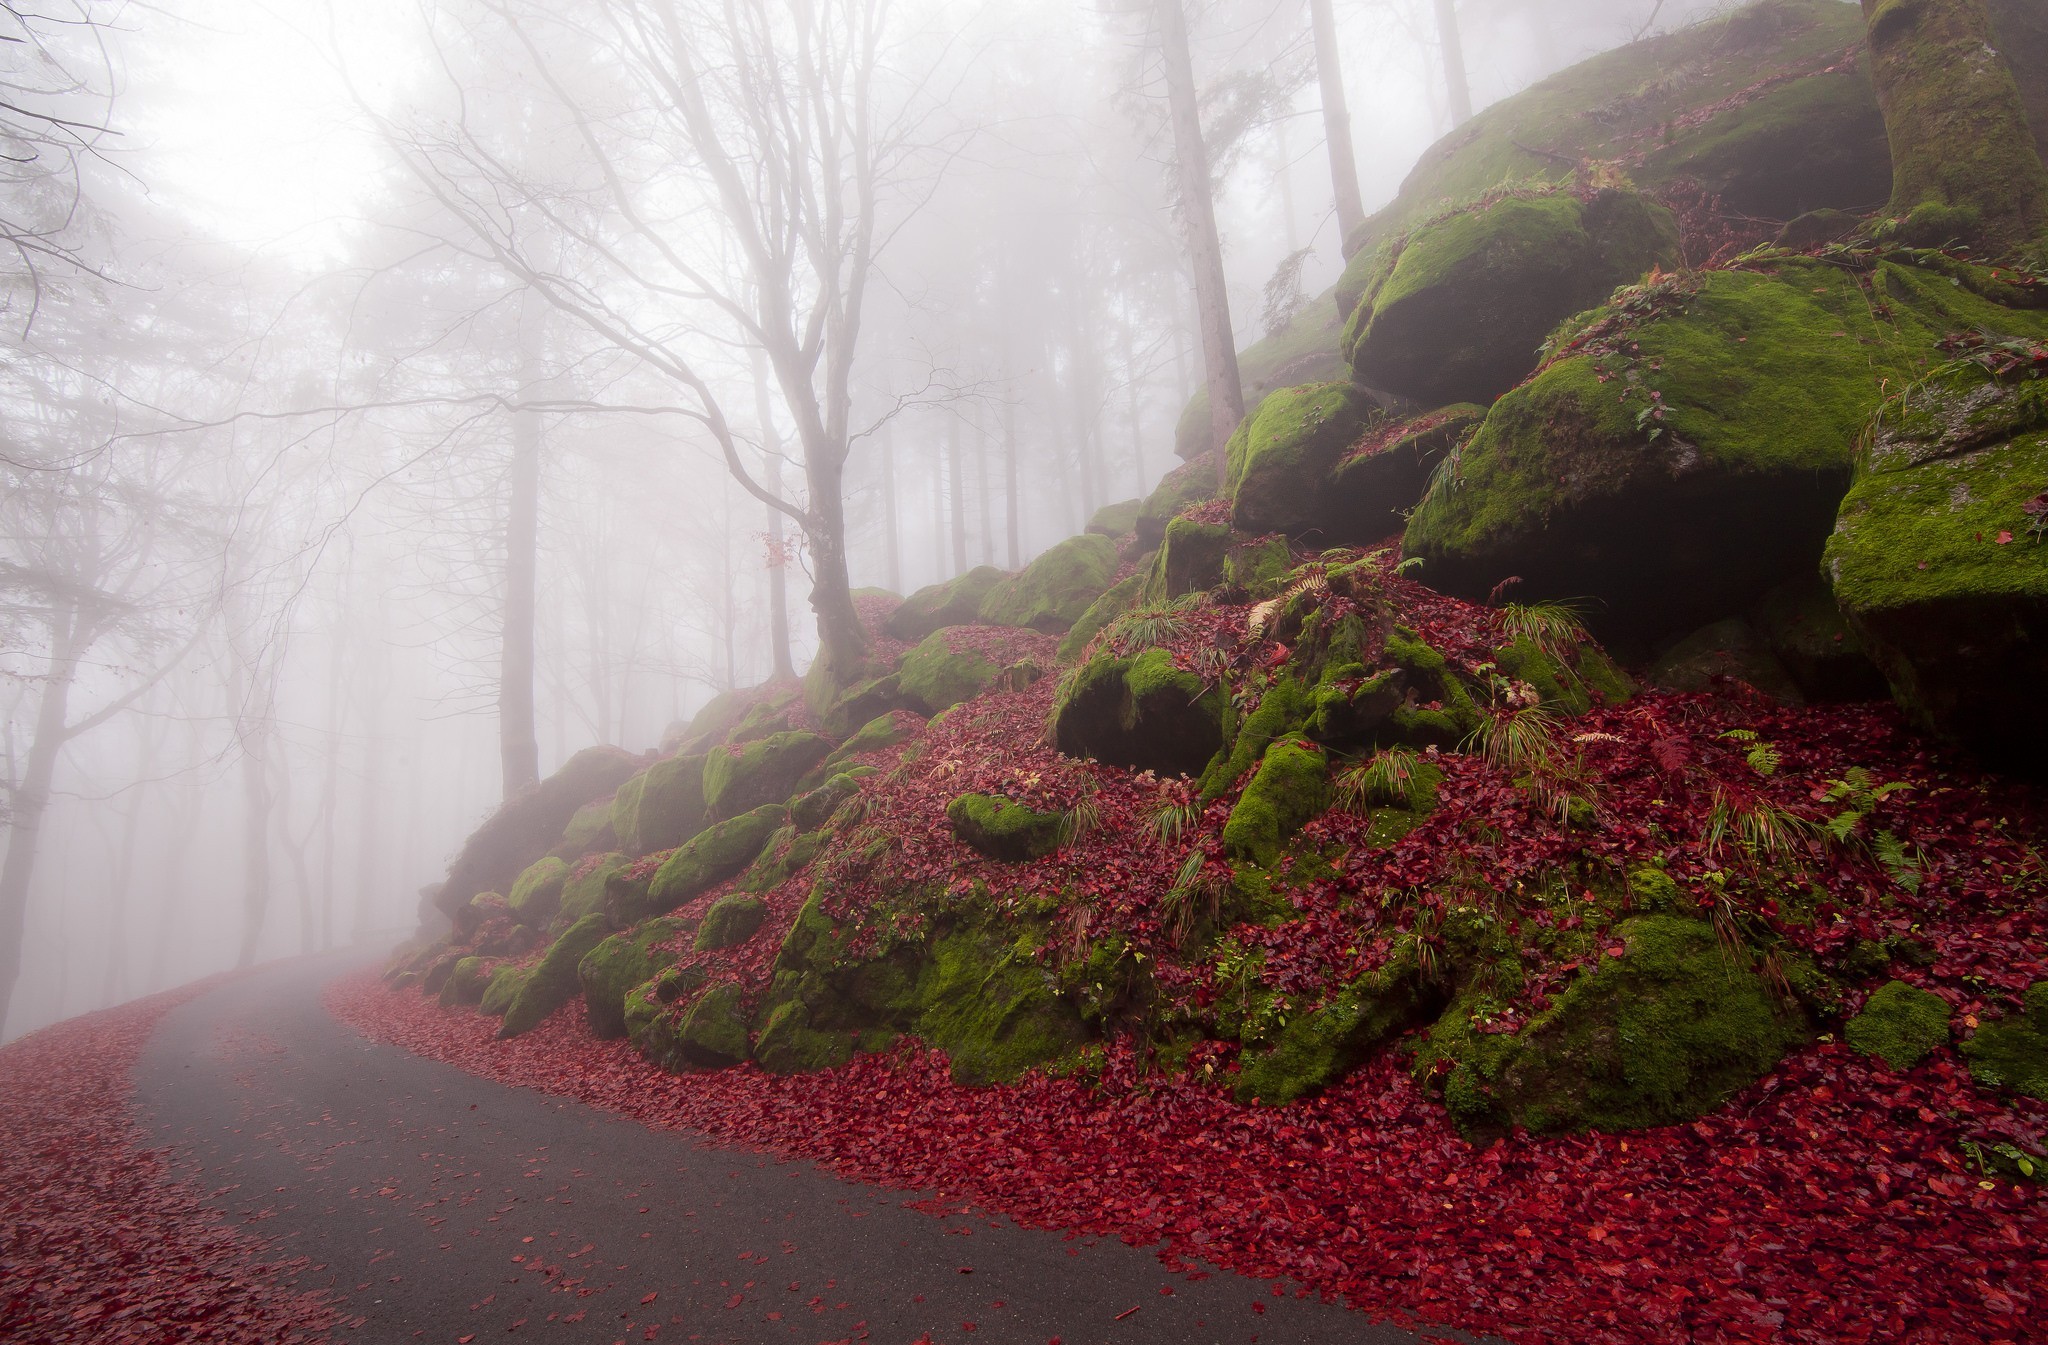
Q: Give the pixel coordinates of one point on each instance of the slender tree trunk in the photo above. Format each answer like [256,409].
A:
[842,645]
[1958,128]
[1456,85]
[1336,119]
[1012,489]
[981,492]
[31,799]
[939,514]
[1205,249]
[956,478]
[1131,402]
[256,806]
[892,548]
[518,745]
[778,572]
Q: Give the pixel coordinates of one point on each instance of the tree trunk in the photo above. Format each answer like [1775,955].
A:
[1205,249]
[1964,160]
[892,547]
[1336,120]
[842,644]
[256,801]
[1453,47]
[518,744]
[981,492]
[31,799]
[1012,522]
[956,479]
[778,570]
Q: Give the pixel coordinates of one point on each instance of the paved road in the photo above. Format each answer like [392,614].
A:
[439,1207]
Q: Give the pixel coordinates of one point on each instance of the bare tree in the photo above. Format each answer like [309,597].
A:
[1452,44]
[1336,119]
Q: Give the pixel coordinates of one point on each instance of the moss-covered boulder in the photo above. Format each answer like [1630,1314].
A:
[787,853]
[738,779]
[710,725]
[528,826]
[1317,1048]
[788,1044]
[650,1026]
[553,981]
[1663,466]
[943,671]
[1664,1029]
[1900,1024]
[731,921]
[877,735]
[1937,560]
[1380,477]
[814,809]
[2012,1052]
[985,1001]
[661,807]
[1291,789]
[1114,602]
[1052,592]
[953,602]
[1115,520]
[1002,828]
[589,832]
[1189,560]
[712,856]
[538,892]
[1281,456]
[1142,712]
[584,892]
[1802,625]
[1455,310]
[1724,652]
[713,1031]
[1179,490]
[467,981]
[502,989]
[609,971]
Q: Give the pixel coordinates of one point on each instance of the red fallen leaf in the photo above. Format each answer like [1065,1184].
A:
[734,1301]
[649,1299]
[1616,950]
[2004,536]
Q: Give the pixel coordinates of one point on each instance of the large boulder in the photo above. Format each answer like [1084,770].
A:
[1664,466]
[1051,593]
[1290,789]
[1142,712]
[1282,455]
[528,826]
[742,777]
[715,854]
[553,980]
[1937,560]
[1003,828]
[1802,625]
[946,668]
[953,602]
[537,894]
[1380,477]
[610,970]
[1181,489]
[1456,310]
[661,807]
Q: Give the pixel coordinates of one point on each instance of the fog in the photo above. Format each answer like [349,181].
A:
[344,344]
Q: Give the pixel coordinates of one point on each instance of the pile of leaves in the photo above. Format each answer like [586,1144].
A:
[103,1243]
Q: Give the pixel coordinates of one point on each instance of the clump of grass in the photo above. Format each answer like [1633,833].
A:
[1522,740]
[1174,820]
[1195,896]
[1390,779]
[1557,629]
[1078,821]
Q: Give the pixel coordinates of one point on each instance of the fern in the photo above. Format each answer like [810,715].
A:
[1761,754]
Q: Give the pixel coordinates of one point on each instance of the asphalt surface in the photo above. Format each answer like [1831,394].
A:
[436,1206]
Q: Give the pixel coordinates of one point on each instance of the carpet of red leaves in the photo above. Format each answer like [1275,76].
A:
[99,1241]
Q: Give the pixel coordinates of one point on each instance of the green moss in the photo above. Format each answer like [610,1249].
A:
[713,1031]
[1280,458]
[2012,1052]
[814,809]
[1317,1048]
[1142,712]
[761,772]
[953,602]
[1259,567]
[1282,709]
[715,855]
[662,807]
[553,980]
[1185,486]
[1115,520]
[1190,560]
[788,1044]
[467,982]
[1291,788]
[878,734]
[1052,592]
[610,971]
[1661,1034]
[731,921]
[589,829]
[773,709]
[984,1001]
[1901,1024]
[1114,602]
[1002,829]
[538,892]
[504,987]
[786,854]
[937,678]
[586,893]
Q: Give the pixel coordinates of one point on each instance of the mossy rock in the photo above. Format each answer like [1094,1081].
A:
[1283,707]
[787,853]
[1052,592]
[713,1032]
[1189,560]
[1664,1033]
[710,725]
[553,981]
[650,1026]
[1569,681]
[953,602]
[1302,351]
[467,981]
[731,921]
[2012,1052]
[1455,311]
[1938,565]
[935,677]
[538,893]
[1179,490]
[589,832]
[814,809]
[1370,491]
[1114,602]
[714,855]
[585,890]
[1317,1048]
[1291,789]
[765,771]
[788,1044]
[775,709]
[1574,486]
[1115,520]
[984,1000]
[662,807]
[1900,1024]
[1802,625]
[503,988]
[1281,458]
[1141,712]
[1726,651]
[1003,829]
[526,827]
[877,735]
[609,971]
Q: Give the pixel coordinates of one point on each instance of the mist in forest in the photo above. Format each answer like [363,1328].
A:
[402,397]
